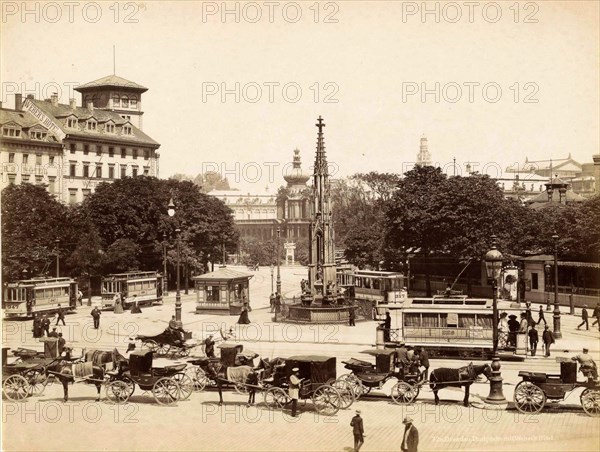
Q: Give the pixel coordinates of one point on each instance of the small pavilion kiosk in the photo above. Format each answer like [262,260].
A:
[222,292]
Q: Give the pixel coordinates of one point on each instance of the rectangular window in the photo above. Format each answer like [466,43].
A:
[51,160]
[38,179]
[111,151]
[133,103]
[134,171]
[72,195]
[86,192]
[111,172]
[123,153]
[146,154]
[86,170]
[99,171]
[86,149]
[116,101]
[25,158]
[91,125]
[123,171]
[125,102]
[72,169]
[135,154]
[146,170]
[110,128]
[534,281]
[98,150]
[127,130]
[52,184]
[72,123]
[38,159]
[11,178]
[11,157]
[73,147]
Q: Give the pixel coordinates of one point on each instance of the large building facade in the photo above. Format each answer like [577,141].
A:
[72,148]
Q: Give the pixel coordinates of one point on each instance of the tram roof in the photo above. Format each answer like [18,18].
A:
[34,281]
[376,273]
[131,275]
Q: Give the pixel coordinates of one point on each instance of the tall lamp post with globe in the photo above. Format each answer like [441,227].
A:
[493,266]
[171,212]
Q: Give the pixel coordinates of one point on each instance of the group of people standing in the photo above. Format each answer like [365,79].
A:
[508,330]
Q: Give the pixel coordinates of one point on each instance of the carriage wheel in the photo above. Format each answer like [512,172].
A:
[186,385]
[166,391]
[590,401]
[16,388]
[403,392]
[37,380]
[150,344]
[118,391]
[129,382]
[198,376]
[327,400]
[240,388]
[346,390]
[183,352]
[357,387]
[163,349]
[276,398]
[529,398]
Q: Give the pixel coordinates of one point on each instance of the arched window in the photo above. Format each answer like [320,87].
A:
[125,102]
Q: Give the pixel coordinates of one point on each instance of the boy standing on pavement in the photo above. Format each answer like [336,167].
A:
[358,430]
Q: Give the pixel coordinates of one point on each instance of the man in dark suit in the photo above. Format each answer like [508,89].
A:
[410,440]
[358,430]
[533,339]
[547,339]
[584,318]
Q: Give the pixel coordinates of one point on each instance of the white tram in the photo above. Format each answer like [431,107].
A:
[144,287]
[379,287]
[39,296]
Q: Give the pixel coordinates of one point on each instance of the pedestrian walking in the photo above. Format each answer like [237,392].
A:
[541,316]
[533,339]
[209,346]
[60,316]
[528,314]
[80,297]
[584,318]
[410,440]
[37,326]
[252,382]
[46,325]
[351,316]
[96,316]
[596,314]
[294,390]
[272,302]
[358,431]
[548,339]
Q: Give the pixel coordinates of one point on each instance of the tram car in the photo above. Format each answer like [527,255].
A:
[26,298]
[447,326]
[144,287]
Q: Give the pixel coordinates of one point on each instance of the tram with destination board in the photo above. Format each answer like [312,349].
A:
[143,287]
[25,298]
[380,287]
[447,326]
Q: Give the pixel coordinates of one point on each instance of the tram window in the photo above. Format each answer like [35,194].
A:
[430,320]
[412,320]
[444,321]
[466,320]
[376,284]
[486,321]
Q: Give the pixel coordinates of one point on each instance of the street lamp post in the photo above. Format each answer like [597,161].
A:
[547,269]
[493,266]
[165,277]
[278,254]
[171,211]
[556,316]
[57,241]
[272,291]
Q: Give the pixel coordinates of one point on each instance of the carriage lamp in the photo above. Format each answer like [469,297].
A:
[493,266]
[556,316]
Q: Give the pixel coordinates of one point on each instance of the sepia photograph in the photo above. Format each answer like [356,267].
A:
[300,225]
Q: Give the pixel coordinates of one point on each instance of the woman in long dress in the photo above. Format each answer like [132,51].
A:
[244,319]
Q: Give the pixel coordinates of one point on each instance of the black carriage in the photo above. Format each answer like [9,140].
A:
[365,375]
[536,388]
[168,383]
[169,342]
[319,383]
[234,364]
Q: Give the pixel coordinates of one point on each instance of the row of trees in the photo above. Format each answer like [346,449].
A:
[382,217]
[264,252]
[122,226]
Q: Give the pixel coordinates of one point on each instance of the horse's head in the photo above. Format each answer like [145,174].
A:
[487,371]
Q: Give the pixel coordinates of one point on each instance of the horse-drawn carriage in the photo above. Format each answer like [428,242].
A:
[532,393]
[169,342]
[168,383]
[319,383]
[365,376]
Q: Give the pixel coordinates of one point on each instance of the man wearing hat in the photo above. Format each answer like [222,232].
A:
[294,390]
[209,346]
[402,360]
[547,339]
[584,318]
[53,333]
[358,430]
[587,364]
[410,441]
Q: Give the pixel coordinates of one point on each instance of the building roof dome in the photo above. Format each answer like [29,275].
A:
[296,176]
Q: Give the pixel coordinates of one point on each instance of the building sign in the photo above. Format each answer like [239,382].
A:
[44,119]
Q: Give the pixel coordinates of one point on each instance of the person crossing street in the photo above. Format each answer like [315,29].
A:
[358,431]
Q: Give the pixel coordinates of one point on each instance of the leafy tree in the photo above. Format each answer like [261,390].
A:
[88,257]
[122,256]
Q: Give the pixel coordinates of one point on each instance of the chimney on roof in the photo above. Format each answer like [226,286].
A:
[73,103]
[18,102]
[90,105]
[54,99]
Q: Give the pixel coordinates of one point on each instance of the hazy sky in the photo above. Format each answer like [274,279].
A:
[369,57]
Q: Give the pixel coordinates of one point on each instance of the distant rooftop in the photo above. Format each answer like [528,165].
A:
[111,80]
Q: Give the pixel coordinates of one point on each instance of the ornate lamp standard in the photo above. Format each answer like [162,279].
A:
[57,241]
[556,316]
[278,254]
[272,278]
[171,212]
[493,266]
[165,277]
[547,270]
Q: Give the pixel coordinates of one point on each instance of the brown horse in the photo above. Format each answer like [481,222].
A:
[464,376]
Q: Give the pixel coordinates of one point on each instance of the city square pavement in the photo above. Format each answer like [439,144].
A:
[44,422]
